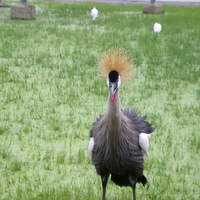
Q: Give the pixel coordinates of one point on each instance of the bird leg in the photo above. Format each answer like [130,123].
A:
[104,180]
[133,182]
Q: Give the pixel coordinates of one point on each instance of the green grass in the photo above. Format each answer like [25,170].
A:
[50,94]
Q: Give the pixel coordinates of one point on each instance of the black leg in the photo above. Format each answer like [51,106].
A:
[133,182]
[104,180]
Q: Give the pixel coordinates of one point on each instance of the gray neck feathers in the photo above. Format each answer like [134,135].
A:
[113,119]
[113,110]
[114,135]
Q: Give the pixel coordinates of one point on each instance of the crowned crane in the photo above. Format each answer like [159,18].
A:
[119,138]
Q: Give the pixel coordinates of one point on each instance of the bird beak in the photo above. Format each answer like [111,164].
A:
[113,89]
[113,82]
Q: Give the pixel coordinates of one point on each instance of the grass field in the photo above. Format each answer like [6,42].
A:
[50,94]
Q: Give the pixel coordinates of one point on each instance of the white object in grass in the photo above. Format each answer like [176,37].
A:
[157,27]
[94,13]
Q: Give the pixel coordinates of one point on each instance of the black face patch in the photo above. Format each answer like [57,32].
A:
[113,76]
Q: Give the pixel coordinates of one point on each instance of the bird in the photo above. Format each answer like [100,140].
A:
[94,13]
[157,27]
[119,138]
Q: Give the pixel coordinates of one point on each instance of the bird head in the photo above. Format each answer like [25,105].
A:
[113,82]
[116,65]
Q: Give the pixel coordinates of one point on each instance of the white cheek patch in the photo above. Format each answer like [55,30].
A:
[119,81]
[107,82]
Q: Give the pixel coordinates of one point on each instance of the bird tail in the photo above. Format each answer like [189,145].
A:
[143,180]
[124,181]
[116,59]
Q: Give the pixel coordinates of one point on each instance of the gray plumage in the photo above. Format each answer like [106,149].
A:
[115,146]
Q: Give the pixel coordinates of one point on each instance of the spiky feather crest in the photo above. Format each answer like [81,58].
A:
[116,59]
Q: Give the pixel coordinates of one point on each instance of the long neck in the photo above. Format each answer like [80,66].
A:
[113,125]
[114,113]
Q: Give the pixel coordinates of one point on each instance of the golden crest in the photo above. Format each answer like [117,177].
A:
[116,59]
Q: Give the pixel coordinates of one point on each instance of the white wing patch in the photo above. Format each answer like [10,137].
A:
[144,144]
[90,146]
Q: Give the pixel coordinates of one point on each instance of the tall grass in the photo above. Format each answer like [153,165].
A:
[51,93]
